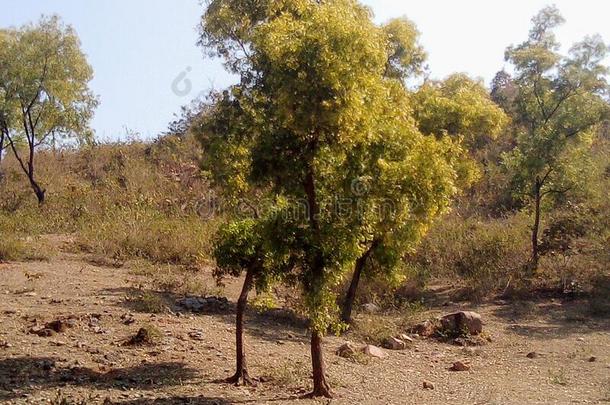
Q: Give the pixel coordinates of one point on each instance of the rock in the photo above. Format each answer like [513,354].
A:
[394,344]
[532,355]
[127,319]
[463,321]
[592,359]
[370,308]
[405,338]
[459,366]
[197,335]
[425,329]
[428,385]
[42,331]
[203,304]
[374,351]
[580,339]
[346,350]
[143,336]
[58,326]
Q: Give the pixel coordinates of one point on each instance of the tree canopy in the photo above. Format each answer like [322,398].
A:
[44,91]
[558,101]
[318,121]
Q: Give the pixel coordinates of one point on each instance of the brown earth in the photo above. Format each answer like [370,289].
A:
[89,362]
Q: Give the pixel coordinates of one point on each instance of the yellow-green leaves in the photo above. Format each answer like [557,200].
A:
[460,107]
[322,120]
[406,56]
[44,70]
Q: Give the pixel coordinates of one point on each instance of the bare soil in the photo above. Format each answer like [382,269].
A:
[89,362]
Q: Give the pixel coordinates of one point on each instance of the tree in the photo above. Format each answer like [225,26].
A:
[457,111]
[558,104]
[241,246]
[313,109]
[459,107]
[406,56]
[44,90]
[245,242]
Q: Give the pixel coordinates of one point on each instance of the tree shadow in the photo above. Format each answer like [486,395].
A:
[20,375]
[199,400]
[276,324]
[560,318]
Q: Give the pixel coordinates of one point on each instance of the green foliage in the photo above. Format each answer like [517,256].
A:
[44,70]
[559,101]
[44,93]
[460,107]
[407,56]
[321,120]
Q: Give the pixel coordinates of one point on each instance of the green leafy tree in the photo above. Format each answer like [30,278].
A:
[44,92]
[461,108]
[558,103]
[242,247]
[459,112]
[314,111]
[245,244]
[406,57]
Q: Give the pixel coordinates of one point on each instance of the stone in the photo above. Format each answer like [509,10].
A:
[459,366]
[197,335]
[592,359]
[371,308]
[428,385]
[374,351]
[531,355]
[394,344]
[463,322]
[425,329]
[58,326]
[405,338]
[203,304]
[42,331]
[346,350]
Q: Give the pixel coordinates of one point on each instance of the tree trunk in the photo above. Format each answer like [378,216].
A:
[536,228]
[350,297]
[39,191]
[2,148]
[241,375]
[320,385]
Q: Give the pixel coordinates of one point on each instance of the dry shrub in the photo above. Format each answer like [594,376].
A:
[147,234]
[486,254]
[13,248]
[121,200]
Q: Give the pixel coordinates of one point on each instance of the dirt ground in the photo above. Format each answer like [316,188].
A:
[90,363]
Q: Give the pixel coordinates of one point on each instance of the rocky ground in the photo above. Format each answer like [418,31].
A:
[548,351]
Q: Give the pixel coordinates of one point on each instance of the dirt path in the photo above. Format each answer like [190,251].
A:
[89,361]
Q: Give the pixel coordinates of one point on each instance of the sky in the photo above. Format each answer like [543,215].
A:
[147,63]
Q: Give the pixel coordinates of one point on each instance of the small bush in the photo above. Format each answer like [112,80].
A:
[18,249]
[148,302]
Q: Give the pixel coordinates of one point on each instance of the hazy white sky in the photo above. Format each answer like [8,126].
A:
[147,64]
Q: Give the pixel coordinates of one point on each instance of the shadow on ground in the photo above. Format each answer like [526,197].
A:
[276,325]
[21,375]
[555,319]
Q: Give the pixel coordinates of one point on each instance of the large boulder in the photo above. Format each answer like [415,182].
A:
[462,322]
